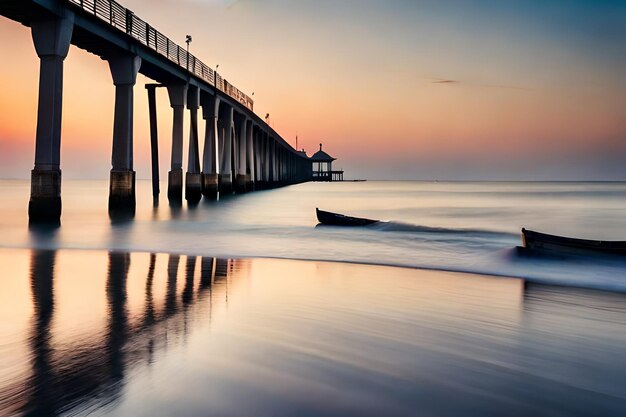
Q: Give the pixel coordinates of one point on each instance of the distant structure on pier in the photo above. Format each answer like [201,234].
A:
[323,167]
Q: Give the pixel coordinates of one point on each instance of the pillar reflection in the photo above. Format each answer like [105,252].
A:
[149,311]
[93,371]
[207,272]
[172,276]
[119,264]
[42,400]
[190,269]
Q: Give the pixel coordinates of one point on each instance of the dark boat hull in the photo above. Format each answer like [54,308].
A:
[544,242]
[335,219]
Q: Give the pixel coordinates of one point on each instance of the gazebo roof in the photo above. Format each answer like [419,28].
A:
[321,156]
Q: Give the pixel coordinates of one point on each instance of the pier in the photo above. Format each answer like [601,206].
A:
[242,152]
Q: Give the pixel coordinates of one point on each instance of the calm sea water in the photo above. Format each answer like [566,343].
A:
[455,226]
[175,314]
[119,334]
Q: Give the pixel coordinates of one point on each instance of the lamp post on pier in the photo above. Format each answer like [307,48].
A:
[188,40]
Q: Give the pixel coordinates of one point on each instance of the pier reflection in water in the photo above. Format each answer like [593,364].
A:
[164,334]
[84,368]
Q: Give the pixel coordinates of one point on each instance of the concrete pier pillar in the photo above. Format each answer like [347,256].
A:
[267,161]
[284,161]
[273,162]
[283,167]
[258,152]
[178,98]
[275,171]
[210,112]
[290,167]
[221,138]
[234,153]
[250,156]
[255,156]
[277,164]
[242,159]
[234,159]
[193,180]
[154,140]
[124,71]
[52,41]
[280,165]
[225,177]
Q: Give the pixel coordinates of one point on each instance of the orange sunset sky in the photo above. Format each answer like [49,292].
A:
[395,89]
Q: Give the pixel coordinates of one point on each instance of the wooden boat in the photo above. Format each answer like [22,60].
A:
[545,242]
[334,219]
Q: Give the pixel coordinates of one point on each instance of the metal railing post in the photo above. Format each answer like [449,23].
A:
[198,69]
[129,22]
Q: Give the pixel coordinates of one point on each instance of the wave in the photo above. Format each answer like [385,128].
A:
[592,272]
[392,226]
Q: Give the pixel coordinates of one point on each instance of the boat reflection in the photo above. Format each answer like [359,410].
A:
[542,298]
[92,372]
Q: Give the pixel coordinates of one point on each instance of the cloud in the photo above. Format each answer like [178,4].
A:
[475,84]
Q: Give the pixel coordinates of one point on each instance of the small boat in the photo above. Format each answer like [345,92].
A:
[544,242]
[334,219]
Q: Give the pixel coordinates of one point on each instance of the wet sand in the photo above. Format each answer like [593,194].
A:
[113,333]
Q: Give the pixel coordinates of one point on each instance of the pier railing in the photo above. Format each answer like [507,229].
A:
[125,20]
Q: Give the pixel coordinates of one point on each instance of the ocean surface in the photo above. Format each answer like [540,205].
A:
[97,333]
[185,311]
[452,226]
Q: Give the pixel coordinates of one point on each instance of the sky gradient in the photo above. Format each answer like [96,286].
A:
[395,89]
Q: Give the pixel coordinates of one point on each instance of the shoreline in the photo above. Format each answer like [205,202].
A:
[554,283]
[278,332]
